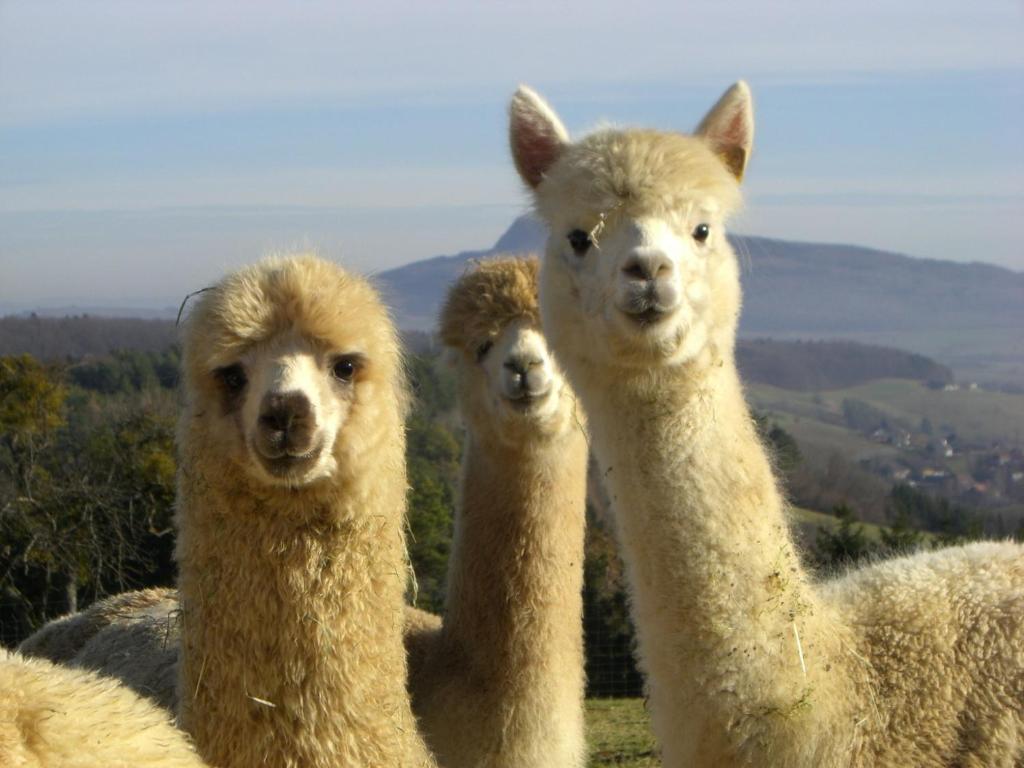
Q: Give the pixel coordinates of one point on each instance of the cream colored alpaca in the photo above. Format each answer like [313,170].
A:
[501,684]
[136,638]
[291,502]
[912,662]
[132,636]
[54,717]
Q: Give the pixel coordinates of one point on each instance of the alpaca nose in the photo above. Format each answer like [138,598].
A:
[285,423]
[648,265]
[524,375]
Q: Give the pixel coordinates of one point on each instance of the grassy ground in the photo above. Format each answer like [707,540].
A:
[619,734]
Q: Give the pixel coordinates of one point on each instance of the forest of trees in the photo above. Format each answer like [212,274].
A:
[87,492]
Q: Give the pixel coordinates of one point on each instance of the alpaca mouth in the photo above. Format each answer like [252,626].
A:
[648,317]
[527,400]
[287,465]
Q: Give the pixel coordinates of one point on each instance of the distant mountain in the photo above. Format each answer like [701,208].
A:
[969,316]
[807,366]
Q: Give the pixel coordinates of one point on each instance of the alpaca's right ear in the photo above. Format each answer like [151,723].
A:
[536,134]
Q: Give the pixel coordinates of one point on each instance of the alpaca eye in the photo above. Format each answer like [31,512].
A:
[344,368]
[232,377]
[483,349]
[701,232]
[580,242]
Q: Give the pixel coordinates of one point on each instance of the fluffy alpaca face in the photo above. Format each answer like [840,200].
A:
[638,271]
[290,366]
[287,399]
[509,384]
[650,289]
[511,378]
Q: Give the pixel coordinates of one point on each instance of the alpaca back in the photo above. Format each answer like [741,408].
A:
[57,717]
[946,628]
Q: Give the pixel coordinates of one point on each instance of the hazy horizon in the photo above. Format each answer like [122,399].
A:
[145,148]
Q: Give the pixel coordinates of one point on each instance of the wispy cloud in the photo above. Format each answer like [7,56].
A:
[129,56]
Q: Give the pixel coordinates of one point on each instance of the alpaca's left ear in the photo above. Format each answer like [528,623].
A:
[536,135]
[729,128]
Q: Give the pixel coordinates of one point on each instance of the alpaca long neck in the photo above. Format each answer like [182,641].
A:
[291,643]
[516,576]
[732,635]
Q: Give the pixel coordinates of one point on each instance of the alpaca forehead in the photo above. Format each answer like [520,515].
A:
[289,362]
[650,230]
[302,294]
[637,173]
[522,336]
[521,331]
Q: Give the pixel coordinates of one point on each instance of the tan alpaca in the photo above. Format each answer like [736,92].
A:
[54,717]
[291,502]
[912,662]
[501,684]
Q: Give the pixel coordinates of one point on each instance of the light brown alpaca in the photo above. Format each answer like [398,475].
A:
[54,717]
[291,502]
[913,662]
[501,685]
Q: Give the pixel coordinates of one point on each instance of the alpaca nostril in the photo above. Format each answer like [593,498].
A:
[520,366]
[635,271]
[284,412]
[515,366]
[647,266]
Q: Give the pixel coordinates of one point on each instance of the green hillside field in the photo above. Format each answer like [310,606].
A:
[977,416]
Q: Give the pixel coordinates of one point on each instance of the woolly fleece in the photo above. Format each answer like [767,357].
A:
[54,717]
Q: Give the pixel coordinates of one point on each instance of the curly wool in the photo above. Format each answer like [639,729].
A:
[63,718]
[482,302]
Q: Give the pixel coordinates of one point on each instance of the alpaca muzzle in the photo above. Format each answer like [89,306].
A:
[525,380]
[286,426]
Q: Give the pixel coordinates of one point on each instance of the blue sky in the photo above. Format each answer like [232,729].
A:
[147,146]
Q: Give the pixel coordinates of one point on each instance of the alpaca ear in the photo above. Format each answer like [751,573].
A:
[536,134]
[729,128]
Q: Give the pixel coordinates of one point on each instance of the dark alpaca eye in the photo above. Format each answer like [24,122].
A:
[580,242]
[344,368]
[701,232]
[483,349]
[232,377]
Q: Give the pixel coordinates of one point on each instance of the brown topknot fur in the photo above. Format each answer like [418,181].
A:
[486,299]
